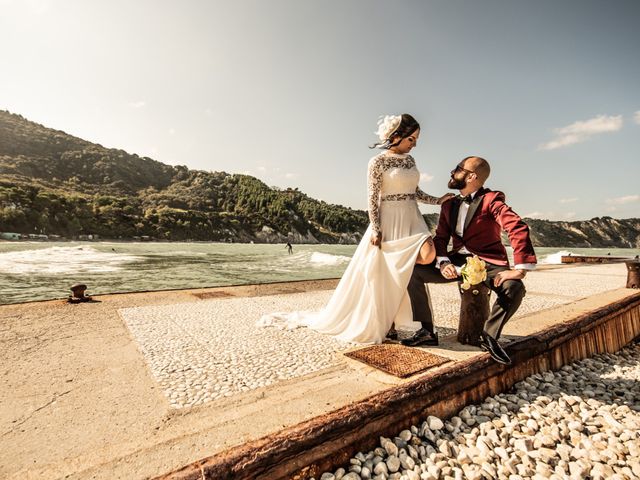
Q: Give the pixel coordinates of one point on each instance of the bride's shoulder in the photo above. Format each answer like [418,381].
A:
[377,159]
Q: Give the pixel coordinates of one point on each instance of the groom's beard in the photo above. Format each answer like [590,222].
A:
[457,184]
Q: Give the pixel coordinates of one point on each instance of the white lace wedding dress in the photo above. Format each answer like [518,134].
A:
[372,293]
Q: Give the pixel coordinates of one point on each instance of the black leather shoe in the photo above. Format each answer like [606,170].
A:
[392,334]
[421,337]
[491,345]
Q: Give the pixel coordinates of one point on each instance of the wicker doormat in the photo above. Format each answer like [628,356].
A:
[397,359]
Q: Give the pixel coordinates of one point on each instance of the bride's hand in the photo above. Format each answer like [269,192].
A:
[376,239]
[445,197]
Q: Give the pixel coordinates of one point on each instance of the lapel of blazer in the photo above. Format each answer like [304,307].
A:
[473,208]
[453,216]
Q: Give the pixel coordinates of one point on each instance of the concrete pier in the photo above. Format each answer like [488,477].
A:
[87,397]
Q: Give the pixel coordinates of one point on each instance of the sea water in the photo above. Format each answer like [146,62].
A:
[45,270]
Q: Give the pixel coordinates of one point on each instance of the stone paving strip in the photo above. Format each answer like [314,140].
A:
[582,421]
[210,349]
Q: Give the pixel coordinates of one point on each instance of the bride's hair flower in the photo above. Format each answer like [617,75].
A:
[387,126]
[473,272]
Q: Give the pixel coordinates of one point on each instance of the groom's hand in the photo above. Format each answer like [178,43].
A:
[508,275]
[448,271]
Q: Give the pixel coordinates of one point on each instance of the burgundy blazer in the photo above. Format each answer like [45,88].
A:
[488,215]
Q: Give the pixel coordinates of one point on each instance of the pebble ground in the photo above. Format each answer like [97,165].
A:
[581,422]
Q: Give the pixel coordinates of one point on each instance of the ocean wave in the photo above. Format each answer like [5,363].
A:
[555,258]
[326,259]
[285,263]
[181,253]
[63,260]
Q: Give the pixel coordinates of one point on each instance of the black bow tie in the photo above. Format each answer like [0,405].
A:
[466,199]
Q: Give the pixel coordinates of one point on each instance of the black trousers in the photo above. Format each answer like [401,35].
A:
[509,294]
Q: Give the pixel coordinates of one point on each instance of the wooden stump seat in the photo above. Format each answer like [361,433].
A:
[474,311]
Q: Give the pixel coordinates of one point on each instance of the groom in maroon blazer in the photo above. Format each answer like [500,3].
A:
[473,221]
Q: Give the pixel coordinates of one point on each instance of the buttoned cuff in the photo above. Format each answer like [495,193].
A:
[441,260]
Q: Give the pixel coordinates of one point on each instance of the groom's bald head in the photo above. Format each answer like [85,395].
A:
[479,166]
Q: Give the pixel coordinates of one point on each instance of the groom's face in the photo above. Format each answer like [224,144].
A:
[458,179]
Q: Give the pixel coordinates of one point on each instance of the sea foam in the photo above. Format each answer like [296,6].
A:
[555,258]
[326,259]
[63,260]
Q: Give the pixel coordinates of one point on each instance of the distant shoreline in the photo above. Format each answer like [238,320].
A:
[123,240]
[283,242]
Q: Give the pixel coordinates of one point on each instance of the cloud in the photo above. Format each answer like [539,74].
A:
[636,117]
[551,215]
[582,131]
[138,104]
[290,175]
[262,169]
[568,200]
[623,200]
[425,177]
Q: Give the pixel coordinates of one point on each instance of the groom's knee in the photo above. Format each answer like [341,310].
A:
[514,289]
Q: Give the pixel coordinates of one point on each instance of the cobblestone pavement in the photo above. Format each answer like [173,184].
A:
[210,349]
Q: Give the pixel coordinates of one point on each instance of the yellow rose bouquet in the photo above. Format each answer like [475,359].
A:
[473,272]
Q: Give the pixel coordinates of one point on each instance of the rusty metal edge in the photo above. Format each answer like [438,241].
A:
[268,456]
[566,259]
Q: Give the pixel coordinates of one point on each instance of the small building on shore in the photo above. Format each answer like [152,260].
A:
[10,236]
[38,236]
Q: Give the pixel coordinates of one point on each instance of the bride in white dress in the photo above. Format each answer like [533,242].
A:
[372,293]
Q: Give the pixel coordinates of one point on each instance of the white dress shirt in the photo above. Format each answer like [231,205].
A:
[462,216]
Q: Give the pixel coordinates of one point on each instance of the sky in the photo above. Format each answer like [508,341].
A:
[290,91]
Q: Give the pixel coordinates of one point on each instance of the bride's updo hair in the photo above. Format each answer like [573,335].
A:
[407,126]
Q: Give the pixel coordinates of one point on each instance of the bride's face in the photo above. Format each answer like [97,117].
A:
[407,143]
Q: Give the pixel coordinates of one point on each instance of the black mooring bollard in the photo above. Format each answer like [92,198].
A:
[78,296]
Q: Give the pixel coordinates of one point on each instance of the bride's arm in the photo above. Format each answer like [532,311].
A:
[424,197]
[374,182]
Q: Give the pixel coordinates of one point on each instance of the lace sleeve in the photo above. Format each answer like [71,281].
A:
[424,197]
[374,183]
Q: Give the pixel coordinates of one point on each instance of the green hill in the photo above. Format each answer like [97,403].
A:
[54,183]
